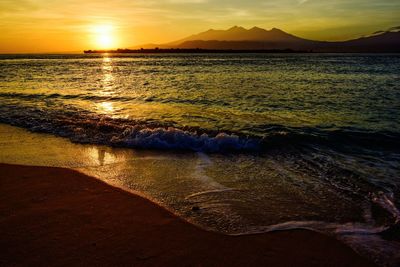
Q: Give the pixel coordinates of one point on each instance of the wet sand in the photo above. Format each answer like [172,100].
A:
[53,216]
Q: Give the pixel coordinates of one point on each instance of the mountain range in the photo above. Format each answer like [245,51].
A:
[239,38]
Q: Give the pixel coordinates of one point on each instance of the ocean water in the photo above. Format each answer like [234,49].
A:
[238,143]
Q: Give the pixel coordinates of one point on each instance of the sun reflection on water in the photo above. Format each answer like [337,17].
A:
[106,107]
[108,81]
[107,88]
[106,58]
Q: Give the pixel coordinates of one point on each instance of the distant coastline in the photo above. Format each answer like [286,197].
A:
[258,40]
[191,51]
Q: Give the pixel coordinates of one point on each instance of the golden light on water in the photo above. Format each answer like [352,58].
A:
[106,107]
[108,77]
[107,81]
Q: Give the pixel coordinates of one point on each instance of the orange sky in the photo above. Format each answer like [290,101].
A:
[72,25]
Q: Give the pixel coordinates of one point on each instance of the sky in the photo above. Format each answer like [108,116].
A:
[75,25]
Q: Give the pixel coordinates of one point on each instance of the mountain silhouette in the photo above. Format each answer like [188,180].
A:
[241,34]
[239,38]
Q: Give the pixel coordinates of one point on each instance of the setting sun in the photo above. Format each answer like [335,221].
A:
[104,36]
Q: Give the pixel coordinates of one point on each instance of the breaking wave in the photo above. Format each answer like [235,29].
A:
[379,243]
[100,129]
[85,127]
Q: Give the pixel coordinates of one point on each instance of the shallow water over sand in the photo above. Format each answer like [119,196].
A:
[230,193]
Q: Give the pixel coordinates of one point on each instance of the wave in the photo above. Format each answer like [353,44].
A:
[43,96]
[277,135]
[365,239]
[84,127]
[61,96]
[379,243]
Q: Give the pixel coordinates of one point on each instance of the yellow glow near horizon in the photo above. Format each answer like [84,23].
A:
[41,26]
[104,36]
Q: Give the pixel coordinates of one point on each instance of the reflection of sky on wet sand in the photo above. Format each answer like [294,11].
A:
[23,147]
[151,173]
[126,168]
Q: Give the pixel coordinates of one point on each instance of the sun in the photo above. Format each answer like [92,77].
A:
[103,36]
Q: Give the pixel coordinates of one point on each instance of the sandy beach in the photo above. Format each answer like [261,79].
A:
[53,216]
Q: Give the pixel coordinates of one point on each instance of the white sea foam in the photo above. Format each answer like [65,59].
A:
[363,238]
[173,138]
[386,201]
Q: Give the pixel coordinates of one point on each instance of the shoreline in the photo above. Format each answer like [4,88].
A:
[193,51]
[57,216]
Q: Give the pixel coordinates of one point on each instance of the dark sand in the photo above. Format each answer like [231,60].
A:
[54,216]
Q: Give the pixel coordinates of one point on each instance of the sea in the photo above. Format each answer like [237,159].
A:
[234,143]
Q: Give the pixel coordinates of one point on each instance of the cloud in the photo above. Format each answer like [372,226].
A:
[187,1]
